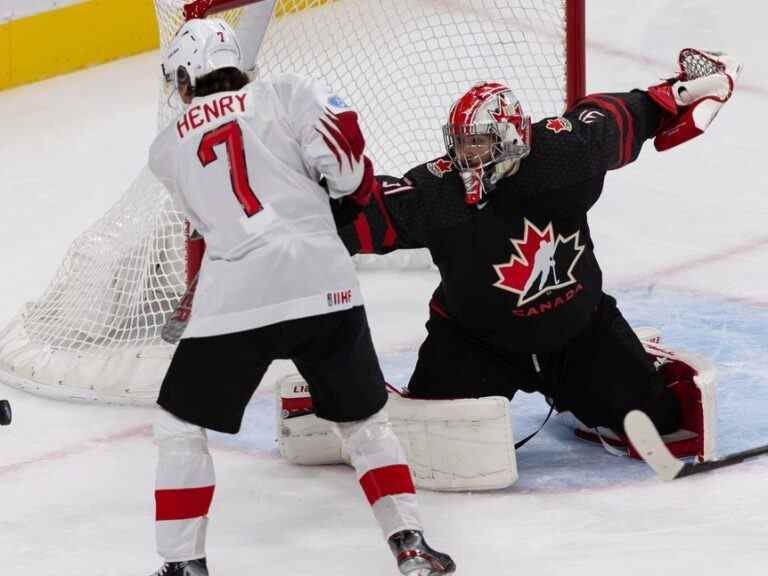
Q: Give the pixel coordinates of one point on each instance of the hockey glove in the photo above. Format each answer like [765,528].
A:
[693,97]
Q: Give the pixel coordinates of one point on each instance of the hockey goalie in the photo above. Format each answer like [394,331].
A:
[520,303]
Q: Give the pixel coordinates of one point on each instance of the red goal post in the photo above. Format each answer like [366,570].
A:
[95,332]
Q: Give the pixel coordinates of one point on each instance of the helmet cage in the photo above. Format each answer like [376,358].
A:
[508,142]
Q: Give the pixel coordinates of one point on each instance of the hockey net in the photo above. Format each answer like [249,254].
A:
[95,332]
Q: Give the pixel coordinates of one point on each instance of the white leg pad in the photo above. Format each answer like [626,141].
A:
[451,445]
[456,445]
[302,437]
[702,427]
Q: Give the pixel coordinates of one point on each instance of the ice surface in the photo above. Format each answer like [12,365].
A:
[682,239]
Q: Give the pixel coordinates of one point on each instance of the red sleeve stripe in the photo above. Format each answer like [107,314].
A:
[629,138]
[437,309]
[390,236]
[182,503]
[607,106]
[362,195]
[331,147]
[387,481]
[363,231]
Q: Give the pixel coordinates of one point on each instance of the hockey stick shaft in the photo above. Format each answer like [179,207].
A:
[728,460]
[175,325]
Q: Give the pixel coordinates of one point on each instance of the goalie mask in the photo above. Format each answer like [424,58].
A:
[198,48]
[486,136]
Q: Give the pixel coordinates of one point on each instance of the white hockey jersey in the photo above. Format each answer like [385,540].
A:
[245,168]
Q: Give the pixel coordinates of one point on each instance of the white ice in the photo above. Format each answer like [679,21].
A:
[683,242]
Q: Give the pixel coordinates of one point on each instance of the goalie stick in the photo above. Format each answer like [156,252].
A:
[174,327]
[648,443]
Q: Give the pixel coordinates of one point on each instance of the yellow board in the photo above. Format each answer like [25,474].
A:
[92,32]
[283,7]
[74,37]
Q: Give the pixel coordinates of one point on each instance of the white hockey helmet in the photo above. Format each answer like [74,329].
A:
[200,47]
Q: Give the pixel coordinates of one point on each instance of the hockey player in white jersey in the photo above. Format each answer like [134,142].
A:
[245,162]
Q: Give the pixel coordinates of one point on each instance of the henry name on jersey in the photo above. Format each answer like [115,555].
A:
[202,114]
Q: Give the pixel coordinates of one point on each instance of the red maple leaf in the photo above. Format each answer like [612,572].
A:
[504,114]
[558,125]
[442,165]
[514,275]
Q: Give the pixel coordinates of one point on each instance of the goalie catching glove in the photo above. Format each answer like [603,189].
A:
[704,82]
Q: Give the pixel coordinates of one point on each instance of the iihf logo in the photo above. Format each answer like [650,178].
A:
[542,261]
[338,298]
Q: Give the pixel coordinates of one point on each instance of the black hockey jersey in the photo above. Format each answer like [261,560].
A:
[520,272]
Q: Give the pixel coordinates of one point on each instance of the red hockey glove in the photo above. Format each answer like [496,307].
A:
[693,98]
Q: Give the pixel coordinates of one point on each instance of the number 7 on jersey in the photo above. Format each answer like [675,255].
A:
[232,135]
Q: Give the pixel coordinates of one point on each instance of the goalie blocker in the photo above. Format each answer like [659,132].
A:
[467,444]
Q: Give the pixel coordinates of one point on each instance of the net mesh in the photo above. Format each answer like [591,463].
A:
[400,63]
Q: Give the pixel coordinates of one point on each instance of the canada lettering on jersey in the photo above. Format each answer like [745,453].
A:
[205,113]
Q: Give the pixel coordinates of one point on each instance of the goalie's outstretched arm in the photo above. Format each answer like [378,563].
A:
[604,132]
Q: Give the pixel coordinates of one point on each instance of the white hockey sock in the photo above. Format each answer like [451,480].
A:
[183,489]
[383,472]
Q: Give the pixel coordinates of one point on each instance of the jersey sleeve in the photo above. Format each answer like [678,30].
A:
[331,141]
[601,132]
[614,127]
[399,216]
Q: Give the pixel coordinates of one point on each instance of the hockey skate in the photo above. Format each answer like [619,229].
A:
[187,568]
[415,557]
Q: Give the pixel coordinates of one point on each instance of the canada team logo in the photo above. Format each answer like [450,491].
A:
[541,261]
[440,167]
[558,125]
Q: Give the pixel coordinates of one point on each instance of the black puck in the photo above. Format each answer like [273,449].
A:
[5,412]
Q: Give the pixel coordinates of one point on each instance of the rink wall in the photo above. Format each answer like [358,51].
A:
[44,38]
[60,39]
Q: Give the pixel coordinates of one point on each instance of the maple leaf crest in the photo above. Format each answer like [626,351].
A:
[558,125]
[505,112]
[542,261]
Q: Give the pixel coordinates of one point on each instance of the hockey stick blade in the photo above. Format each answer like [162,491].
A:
[647,441]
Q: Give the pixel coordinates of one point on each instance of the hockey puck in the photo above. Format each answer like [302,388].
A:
[5,412]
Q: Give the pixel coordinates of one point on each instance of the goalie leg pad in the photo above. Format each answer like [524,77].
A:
[451,445]
[693,380]
[302,437]
[456,445]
